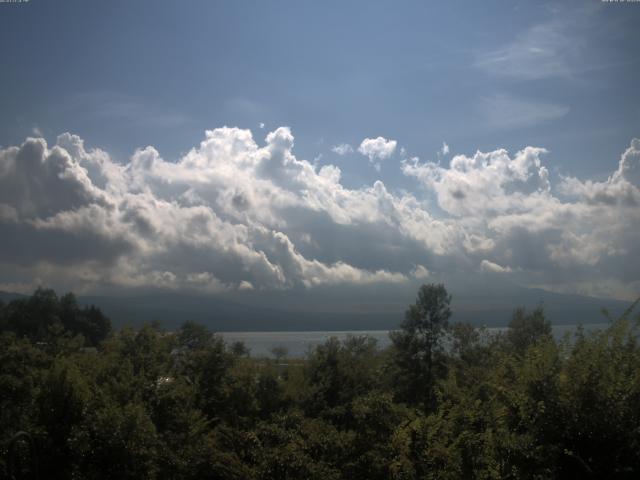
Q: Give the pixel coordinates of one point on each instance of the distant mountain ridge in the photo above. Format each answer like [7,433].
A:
[6,297]
[287,313]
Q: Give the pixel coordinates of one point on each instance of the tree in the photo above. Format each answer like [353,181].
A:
[338,372]
[62,403]
[239,349]
[98,326]
[32,317]
[527,328]
[280,353]
[44,316]
[89,321]
[194,336]
[418,345]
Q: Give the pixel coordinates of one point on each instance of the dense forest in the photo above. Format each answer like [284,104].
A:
[79,400]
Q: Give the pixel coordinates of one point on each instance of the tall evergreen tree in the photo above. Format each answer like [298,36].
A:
[418,345]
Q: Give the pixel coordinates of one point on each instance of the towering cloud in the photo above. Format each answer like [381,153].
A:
[233,214]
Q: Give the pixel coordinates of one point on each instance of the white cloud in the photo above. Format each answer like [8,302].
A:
[445,149]
[208,222]
[573,40]
[487,183]
[490,267]
[505,206]
[233,214]
[342,149]
[420,272]
[502,111]
[39,181]
[377,149]
[543,51]
[622,187]
[556,47]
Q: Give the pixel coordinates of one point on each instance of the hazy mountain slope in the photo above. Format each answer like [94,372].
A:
[302,310]
[227,315]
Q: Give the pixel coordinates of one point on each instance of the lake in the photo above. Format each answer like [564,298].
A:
[298,343]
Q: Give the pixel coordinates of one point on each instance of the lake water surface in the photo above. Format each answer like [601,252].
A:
[299,343]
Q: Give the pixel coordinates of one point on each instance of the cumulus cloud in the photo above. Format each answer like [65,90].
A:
[505,205]
[486,183]
[420,272]
[212,221]
[621,188]
[490,267]
[36,181]
[342,149]
[237,214]
[377,149]
[445,149]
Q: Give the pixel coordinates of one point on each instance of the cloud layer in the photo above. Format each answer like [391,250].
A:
[377,149]
[232,214]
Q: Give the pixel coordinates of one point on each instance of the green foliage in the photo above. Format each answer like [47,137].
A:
[41,315]
[116,442]
[150,404]
[279,353]
[62,405]
[293,446]
[419,343]
[337,373]
[22,371]
[526,329]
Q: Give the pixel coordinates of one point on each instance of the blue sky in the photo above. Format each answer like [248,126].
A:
[128,74]
[480,76]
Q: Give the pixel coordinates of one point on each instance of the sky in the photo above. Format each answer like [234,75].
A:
[220,147]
